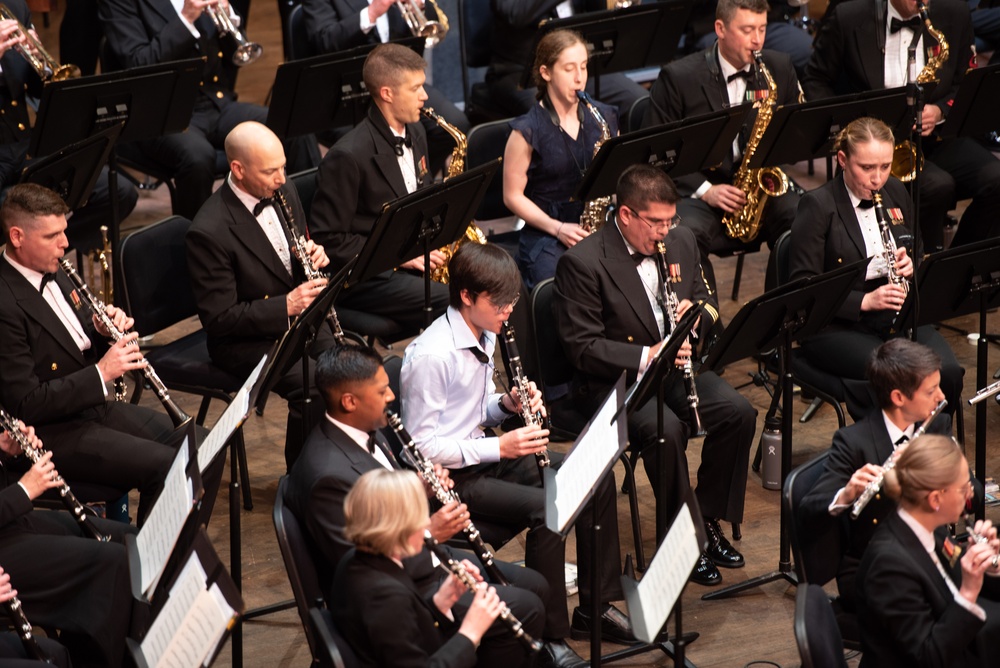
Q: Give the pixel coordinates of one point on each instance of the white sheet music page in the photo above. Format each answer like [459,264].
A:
[668,573]
[230,420]
[191,623]
[589,457]
[163,526]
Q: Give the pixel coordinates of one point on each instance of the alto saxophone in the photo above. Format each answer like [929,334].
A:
[940,55]
[456,167]
[757,184]
[595,211]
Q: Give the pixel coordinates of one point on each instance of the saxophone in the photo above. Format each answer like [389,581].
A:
[938,59]
[456,167]
[756,184]
[595,211]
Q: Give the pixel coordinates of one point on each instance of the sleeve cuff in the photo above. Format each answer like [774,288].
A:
[702,189]
[837,508]
[643,363]
[972,608]
[366,23]
[104,386]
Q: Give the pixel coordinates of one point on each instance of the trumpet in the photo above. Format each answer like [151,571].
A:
[97,307]
[425,469]
[520,381]
[416,20]
[246,51]
[875,485]
[670,307]
[458,570]
[9,425]
[47,67]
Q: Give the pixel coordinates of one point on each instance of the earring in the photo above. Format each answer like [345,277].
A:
[937,508]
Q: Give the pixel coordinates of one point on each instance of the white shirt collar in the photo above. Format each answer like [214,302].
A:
[925,537]
[32,276]
[463,335]
[355,434]
[895,433]
[249,201]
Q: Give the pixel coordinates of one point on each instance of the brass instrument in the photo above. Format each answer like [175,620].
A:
[455,567]
[888,246]
[455,167]
[246,51]
[425,469]
[904,154]
[595,211]
[23,628]
[98,308]
[416,20]
[9,424]
[872,488]
[520,381]
[756,184]
[670,308]
[47,67]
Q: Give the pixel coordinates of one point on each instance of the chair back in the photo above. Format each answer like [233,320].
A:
[393,365]
[306,182]
[300,563]
[296,40]
[156,291]
[487,142]
[475,19]
[782,256]
[816,632]
[817,538]
[636,113]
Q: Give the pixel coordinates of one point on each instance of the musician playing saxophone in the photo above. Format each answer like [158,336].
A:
[719,77]
[548,151]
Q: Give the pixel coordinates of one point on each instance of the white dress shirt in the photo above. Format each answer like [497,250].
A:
[269,223]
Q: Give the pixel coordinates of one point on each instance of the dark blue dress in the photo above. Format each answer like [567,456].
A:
[557,165]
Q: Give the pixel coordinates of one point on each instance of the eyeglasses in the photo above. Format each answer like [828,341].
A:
[669,223]
[499,308]
[965,488]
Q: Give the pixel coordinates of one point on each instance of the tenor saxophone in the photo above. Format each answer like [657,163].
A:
[595,211]
[757,184]
[455,167]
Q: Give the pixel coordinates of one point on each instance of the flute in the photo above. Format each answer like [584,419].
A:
[9,424]
[520,381]
[985,393]
[425,469]
[970,521]
[459,571]
[875,485]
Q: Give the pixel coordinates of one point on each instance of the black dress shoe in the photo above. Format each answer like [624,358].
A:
[719,549]
[558,653]
[615,625]
[705,572]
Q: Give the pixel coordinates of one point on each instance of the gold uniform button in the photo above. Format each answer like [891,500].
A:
[55,367]
[13,103]
[878,496]
[267,296]
[215,79]
[201,83]
[219,95]
[840,260]
[874,520]
[630,339]
[20,126]
[220,54]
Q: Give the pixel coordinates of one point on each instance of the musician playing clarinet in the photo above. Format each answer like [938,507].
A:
[837,224]
[346,444]
[611,318]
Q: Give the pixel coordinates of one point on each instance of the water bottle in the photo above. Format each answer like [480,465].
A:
[770,448]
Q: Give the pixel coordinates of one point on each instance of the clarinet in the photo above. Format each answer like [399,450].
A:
[23,628]
[458,570]
[888,247]
[9,424]
[872,488]
[520,381]
[287,221]
[97,307]
[425,469]
[670,309]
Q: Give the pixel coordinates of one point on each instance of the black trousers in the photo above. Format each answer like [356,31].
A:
[967,169]
[509,493]
[13,654]
[398,296]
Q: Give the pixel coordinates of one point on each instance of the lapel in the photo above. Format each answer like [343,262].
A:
[911,545]
[714,89]
[31,302]
[866,42]
[878,439]
[246,230]
[385,158]
[165,10]
[361,461]
[620,267]
[386,566]
[847,215]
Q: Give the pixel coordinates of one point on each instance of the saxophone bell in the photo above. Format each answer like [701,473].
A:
[595,211]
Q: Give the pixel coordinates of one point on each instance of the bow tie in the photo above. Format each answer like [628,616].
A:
[866,204]
[261,205]
[901,440]
[399,142]
[371,442]
[739,74]
[895,25]
[639,257]
[45,279]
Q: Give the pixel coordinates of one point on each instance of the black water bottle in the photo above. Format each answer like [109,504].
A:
[770,448]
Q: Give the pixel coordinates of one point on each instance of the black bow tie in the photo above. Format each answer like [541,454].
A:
[901,440]
[261,205]
[895,25]
[371,442]
[739,74]
[639,257]
[399,142]
[866,204]
[45,279]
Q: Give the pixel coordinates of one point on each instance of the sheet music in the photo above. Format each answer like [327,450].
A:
[230,420]
[191,623]
[668,573]
[163,526]
[598,446]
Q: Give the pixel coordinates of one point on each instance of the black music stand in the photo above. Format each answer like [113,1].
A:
[974,112]
[72,172]
[778,318]
[678,148]
[957,282]
[151,102]
[420,222]
[328,91]
[624,39]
